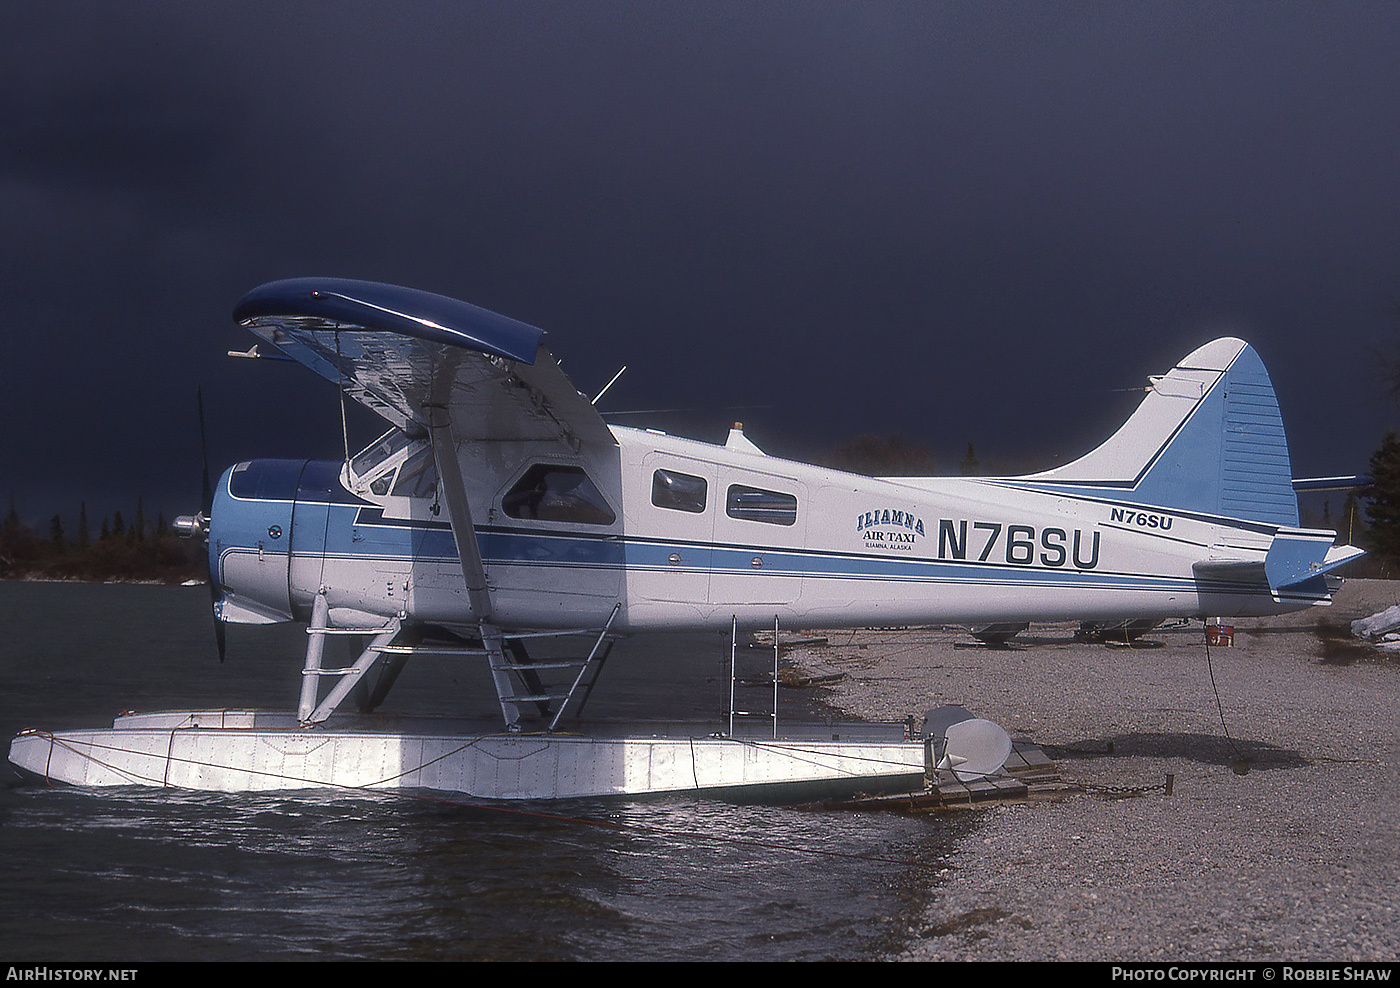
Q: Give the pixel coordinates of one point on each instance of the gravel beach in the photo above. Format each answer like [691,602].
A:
[1279,841]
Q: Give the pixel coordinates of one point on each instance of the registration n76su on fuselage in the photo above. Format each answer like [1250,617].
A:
[500,504]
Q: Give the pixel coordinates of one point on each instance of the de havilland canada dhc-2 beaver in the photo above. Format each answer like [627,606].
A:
[500,510]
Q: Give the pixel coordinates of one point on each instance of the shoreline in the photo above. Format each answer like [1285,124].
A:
[1278,842]
[151,582]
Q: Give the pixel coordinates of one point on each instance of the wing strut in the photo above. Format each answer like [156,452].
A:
[308,711]
[459,515]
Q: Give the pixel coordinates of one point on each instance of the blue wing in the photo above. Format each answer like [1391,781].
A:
[403,352]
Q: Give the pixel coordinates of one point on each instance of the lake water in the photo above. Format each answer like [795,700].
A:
[131,874]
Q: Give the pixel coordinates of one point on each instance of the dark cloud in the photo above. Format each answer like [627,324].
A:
[960,222]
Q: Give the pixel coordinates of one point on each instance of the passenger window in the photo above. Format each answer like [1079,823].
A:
[679,491]
[557,493]
[753,504]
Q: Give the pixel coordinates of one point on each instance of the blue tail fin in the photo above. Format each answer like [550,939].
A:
[1208,438]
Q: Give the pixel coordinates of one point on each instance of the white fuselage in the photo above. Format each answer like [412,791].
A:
[702,535]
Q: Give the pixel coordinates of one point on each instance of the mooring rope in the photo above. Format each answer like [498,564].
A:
[1218,705]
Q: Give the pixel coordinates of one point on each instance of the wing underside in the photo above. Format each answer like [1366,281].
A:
[410,356]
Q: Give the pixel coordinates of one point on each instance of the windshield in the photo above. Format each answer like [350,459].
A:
[377,452]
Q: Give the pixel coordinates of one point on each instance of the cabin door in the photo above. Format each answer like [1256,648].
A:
[760,537]
[669,539]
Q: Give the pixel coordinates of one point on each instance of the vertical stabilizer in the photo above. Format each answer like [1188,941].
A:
[1208,438]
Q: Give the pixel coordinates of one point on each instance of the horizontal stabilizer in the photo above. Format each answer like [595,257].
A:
[1347,483]
[1339,555]
[1295,556]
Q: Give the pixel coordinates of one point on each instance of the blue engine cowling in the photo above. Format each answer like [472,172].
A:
[263,512]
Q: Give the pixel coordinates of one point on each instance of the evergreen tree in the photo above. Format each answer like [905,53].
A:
[118,526]
[10,533]
[56,534]
[139,526]
[84,536]
[17,541]
[1383,499]
[969,466]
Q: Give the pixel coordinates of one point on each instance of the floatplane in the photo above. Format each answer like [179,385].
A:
[500,509]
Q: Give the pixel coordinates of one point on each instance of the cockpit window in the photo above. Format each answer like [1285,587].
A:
[395,461]
[418,475]
[378,451]
[557,493]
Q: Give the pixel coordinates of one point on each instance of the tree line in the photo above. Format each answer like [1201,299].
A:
[138,549]
[892,455]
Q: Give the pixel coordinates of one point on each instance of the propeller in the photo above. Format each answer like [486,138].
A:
[207,509]
[198,526]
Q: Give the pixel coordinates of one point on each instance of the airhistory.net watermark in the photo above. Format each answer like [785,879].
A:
[43,972]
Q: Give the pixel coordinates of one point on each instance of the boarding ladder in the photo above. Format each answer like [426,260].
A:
[735,681]
[523,685]
[517,675]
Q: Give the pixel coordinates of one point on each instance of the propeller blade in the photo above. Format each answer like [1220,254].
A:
[208,494]
[220,636]
[207,506]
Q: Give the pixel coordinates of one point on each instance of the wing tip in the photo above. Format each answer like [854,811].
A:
[382,307]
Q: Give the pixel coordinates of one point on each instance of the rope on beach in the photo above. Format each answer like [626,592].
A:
[1239,755]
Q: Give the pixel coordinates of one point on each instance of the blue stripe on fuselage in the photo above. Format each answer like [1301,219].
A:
[365,533]
[357,530]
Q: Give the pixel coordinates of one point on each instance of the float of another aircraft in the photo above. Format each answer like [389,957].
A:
[500,506]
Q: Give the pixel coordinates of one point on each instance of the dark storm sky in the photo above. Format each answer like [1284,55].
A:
[956,221]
